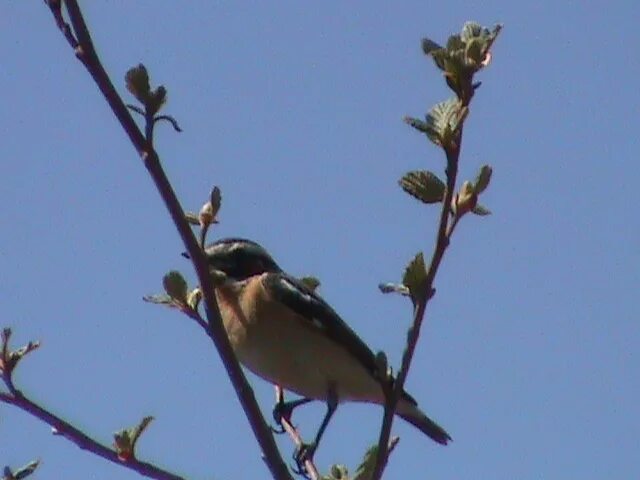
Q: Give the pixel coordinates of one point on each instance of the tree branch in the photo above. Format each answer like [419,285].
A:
[442,242]
[446,227]
[81,439]
[85,52]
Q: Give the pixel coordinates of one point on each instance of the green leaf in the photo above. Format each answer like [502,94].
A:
[444,120]
[5,351]
[475,52]
[216,200]
[483,179]
[490,37]
[465,200]
[425,128]
[429,46]
[10,358]
[365,469]
[462,57]
[194,298]
[481,210]
[394,288]
[192,218]
[454,44]
[205,216]
[312,283]
[160,299]
[415,278]
[122,445]
[478,41]
[439,115]
[423,185]
[17,355]
[417,124]
[471,30]
[436,51]
[140,428]
[208,213]
[137,81]
[156,100]
[22,472]
[175,286]
[493,34]
[125,440]
[382,365]
[337,472]
[439,58]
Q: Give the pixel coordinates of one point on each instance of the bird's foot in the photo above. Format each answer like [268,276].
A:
[303,454]
[282,412]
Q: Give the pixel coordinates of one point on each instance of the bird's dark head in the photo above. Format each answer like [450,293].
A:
[239,258]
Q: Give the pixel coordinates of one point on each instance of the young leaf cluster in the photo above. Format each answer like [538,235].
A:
[464,55]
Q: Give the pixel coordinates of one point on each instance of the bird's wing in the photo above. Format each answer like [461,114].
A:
[310,306]
[305,302]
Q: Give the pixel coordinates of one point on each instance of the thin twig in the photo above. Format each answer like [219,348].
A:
[81,439]
[195,315]
[86,54]
[442,242]
[56,9]
[170,119]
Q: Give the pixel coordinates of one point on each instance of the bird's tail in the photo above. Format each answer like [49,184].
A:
[410,412]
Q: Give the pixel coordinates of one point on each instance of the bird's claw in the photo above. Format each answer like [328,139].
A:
[278,429]
[281,412]
[303,454]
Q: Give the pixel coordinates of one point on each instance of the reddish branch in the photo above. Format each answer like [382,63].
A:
[79,38]
[446,227]
[81,439]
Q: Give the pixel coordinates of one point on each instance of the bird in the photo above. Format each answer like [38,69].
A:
[284,332]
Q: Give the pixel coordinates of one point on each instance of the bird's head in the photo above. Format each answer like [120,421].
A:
[239,258]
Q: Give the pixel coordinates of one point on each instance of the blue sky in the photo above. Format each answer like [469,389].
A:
[529,353]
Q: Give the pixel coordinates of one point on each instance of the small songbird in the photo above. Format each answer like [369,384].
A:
[284,332]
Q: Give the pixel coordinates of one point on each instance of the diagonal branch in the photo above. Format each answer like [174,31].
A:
[464,55]
[81,439]
[85,52]
[445,230]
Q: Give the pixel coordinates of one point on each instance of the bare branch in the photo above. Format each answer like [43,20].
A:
[81,439]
